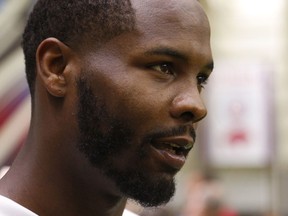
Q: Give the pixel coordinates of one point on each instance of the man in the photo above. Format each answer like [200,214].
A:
[115,89]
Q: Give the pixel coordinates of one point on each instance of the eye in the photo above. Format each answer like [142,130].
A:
[202,80]
[165,68]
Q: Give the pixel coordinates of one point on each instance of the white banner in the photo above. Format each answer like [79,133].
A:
[239,120]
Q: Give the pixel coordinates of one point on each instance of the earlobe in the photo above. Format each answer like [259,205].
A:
[56,85]
[52,58]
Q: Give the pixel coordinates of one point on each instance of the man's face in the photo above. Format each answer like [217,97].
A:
[139,98]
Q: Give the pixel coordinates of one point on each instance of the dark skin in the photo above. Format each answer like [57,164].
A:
[151,77]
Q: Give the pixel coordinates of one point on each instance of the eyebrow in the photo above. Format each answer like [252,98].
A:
[174,53]
[166,51]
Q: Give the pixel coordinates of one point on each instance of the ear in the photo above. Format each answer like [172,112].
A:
[53,58]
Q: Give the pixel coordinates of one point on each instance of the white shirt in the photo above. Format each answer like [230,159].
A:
[10,208]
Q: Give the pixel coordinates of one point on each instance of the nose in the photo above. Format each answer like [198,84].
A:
[188,106]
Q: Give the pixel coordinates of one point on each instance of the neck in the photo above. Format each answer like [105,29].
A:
[55,186]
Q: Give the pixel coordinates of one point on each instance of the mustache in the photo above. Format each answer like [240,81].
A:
[175,131]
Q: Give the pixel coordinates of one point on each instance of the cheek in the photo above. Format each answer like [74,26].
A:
[139,109]
[131,97]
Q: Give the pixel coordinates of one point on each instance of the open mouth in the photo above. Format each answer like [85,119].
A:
[173,148]
[172,151]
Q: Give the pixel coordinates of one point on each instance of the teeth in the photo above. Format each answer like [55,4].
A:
[189,146]
[173,145]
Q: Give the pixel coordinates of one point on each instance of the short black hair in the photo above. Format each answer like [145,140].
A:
[73,22]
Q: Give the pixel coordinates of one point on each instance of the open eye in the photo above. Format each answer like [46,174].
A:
[202,80]
[166,68]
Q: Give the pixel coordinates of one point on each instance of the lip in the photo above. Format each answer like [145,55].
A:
[166,156]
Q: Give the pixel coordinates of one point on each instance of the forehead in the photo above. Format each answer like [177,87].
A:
[187,12]
[180,25]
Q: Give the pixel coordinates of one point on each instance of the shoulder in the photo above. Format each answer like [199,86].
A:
[128,213]
[10,208]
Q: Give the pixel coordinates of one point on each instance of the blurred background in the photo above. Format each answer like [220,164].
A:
[239,165]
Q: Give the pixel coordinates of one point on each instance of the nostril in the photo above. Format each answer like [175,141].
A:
[187,116]
[193,116]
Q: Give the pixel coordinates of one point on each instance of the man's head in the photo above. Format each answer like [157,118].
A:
[129,76]
[74,22]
